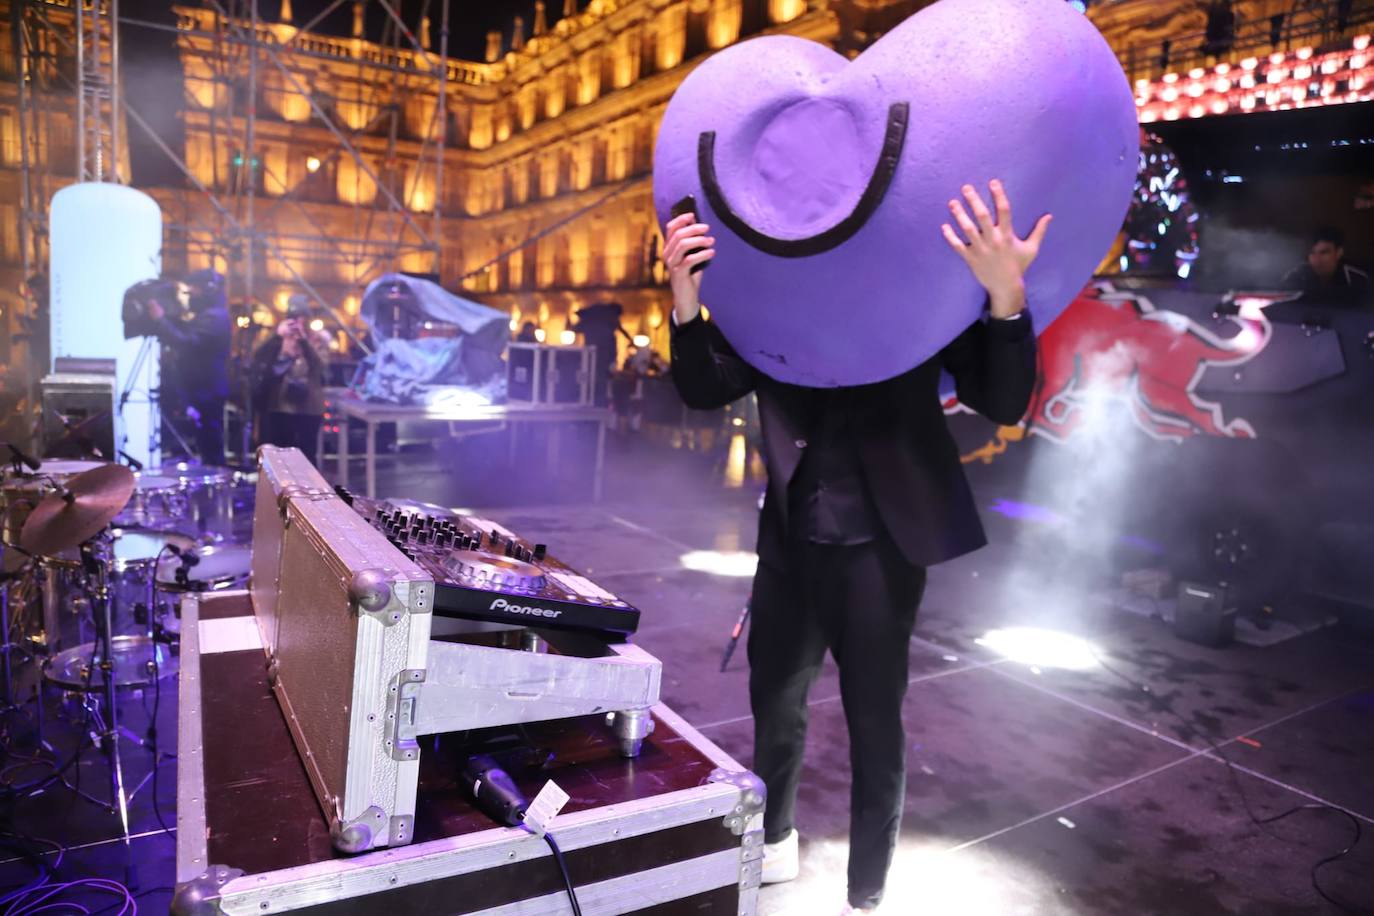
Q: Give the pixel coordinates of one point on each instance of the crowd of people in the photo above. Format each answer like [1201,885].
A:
[282,371]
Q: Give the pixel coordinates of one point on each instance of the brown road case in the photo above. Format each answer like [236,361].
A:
[676,830]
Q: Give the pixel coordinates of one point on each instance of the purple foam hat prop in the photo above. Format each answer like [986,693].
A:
[825,181]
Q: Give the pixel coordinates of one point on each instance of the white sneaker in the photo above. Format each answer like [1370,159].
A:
[856,911]
[781,860]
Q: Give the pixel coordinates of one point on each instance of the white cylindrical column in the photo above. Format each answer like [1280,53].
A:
[105,238]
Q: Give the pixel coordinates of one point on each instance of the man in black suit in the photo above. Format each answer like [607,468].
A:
[195,361]
[865,490]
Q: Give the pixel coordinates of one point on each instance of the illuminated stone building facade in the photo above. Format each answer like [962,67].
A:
[551,140]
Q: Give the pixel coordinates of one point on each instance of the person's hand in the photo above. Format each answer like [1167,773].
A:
[686,244]
[156,311]
[992,250]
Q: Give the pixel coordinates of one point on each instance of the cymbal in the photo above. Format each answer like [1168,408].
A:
[89,502]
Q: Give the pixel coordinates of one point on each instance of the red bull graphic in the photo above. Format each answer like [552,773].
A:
[1116,348]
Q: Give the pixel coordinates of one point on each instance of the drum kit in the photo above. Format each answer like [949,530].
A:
[93,549]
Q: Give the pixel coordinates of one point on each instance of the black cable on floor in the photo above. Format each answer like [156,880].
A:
[1162,705]
[563,869]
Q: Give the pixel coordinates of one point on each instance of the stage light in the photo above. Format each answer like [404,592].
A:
[317,324]
[733,563]
[641,340]
[567,338]
[539,335]
[243,321]
[312,164]
[1041,648]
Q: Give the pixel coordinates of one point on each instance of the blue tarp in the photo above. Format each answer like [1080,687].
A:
[404,371]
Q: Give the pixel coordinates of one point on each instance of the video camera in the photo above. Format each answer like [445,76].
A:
[205,291]
[137,321]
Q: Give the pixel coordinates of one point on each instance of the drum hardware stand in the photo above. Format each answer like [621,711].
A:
[154,401]
[107,729]
[7,704]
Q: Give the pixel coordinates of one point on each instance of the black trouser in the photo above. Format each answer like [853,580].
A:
[209,431]
[292,430]
[860,603]
[203,435]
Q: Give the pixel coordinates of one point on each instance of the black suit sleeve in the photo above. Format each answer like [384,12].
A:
[205,331]
[993,364]
[707,371]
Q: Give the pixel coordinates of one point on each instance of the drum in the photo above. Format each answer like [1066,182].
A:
[134,557]
[63,468]
[137,661]
[219,566]
[134,552]
[209,492]
[158,502]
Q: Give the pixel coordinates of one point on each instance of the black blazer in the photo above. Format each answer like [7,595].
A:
[909,458]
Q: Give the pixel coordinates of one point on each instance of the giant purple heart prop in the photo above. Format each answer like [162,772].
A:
[825,181]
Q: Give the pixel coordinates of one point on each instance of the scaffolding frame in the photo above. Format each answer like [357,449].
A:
[240,231]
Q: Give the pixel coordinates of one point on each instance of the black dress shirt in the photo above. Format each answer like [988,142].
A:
[828,499]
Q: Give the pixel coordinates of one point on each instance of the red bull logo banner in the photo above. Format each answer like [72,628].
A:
[1115,350]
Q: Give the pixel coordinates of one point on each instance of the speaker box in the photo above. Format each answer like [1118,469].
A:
[1204,615]
[78,409]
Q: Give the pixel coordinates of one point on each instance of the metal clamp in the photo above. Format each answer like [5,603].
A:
[752,797]
[371,593]
[402,830]
[400,742]
[357,834]
[751,874]
[295,491]
[200,895]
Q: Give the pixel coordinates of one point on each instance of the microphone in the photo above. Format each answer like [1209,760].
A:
[493,791]
[188,558]
[133,462]
[23,458]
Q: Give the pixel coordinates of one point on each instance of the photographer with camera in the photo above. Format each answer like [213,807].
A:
[191,321]
[288,375]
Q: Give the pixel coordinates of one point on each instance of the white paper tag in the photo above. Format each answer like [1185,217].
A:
[545,807]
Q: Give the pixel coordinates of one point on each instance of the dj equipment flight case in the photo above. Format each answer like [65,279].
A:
[303,738]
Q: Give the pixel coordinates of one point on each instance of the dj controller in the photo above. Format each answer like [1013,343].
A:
[484,572]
